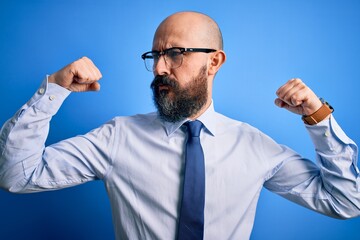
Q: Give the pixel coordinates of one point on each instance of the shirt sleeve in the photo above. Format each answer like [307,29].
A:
[331,185]
[26,165]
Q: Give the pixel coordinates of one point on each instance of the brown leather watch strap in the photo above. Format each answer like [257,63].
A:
[324,111]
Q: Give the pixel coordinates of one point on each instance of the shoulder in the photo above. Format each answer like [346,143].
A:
[227,124]
[138,121]
[242,132]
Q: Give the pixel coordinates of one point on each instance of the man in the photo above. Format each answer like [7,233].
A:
[144,160]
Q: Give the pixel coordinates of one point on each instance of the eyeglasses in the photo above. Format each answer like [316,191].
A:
[173,56]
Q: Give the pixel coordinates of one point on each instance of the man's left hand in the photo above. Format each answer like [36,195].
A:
[298,98]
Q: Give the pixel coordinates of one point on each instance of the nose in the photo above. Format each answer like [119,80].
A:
[160,67]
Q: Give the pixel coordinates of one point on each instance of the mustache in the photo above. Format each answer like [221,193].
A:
[163,80]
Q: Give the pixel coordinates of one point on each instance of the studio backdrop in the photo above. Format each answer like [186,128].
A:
[267,43]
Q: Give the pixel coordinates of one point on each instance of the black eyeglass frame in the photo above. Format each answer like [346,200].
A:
[182,51]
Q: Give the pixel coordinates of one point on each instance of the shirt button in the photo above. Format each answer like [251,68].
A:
[51,97]
[41,91]
[327,134]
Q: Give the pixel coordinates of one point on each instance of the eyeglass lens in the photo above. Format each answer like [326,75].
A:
[173,59]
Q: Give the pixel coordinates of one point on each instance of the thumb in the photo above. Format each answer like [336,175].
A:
[95,86]
[280,103]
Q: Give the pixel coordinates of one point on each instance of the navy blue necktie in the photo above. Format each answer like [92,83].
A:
[191,222]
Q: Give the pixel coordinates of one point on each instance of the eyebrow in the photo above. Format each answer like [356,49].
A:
[168,46]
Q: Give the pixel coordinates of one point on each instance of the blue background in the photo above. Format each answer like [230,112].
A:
[267,43]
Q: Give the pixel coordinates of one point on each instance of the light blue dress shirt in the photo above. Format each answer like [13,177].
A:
[141,161]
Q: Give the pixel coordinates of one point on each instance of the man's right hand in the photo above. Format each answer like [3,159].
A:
[79,76]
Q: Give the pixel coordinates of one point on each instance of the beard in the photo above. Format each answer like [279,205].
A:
[175,103]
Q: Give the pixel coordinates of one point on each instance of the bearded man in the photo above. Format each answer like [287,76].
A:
[185,171]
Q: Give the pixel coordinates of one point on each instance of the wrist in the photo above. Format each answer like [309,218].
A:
[51,78]
[321,114]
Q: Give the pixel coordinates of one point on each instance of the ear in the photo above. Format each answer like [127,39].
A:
[216,61]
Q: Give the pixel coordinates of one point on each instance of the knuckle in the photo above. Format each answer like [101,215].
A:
[295,97]
[297,81]
[74,65]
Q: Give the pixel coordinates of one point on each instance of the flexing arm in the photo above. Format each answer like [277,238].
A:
[25,163]
[332,186]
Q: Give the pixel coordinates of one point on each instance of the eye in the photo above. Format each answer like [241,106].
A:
[155,55]
[173,53]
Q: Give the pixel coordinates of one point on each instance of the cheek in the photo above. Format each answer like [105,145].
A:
[194,65]
[181,75]
[189,69]
[184,79]
[185,74]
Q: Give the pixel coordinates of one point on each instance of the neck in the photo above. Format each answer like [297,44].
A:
[201,111]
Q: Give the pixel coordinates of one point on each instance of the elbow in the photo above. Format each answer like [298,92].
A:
[348,211]
[5,184]
[12,189]
[11,186]
[347,216]
[352,214]
[8,187]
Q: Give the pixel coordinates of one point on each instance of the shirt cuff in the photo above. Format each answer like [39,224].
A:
[328,137]
[48,98]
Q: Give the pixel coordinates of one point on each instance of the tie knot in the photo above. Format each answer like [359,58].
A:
[194,128]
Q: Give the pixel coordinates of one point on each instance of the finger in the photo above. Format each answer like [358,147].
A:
[296,95]
[288,85]
[85,71]
[82,72]
[81,87]
[95,86]
[95,72]
[280,103]
[292,92]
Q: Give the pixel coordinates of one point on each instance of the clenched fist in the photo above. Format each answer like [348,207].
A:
[79,76]
[298,98]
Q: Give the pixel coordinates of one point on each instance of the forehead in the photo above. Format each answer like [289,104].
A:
[177,33]
[170,38]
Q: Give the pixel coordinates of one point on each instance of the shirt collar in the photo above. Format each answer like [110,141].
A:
[207,118]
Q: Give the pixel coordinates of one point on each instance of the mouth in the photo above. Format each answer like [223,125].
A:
[163,87]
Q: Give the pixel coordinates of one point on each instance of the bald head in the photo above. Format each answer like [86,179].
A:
[188,29]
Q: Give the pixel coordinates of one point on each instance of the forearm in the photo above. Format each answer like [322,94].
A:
[331,186]
[337,159]
[23,136]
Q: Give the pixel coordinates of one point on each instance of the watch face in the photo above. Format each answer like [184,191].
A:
[327,104]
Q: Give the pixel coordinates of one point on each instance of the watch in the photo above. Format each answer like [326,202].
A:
[324,111]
